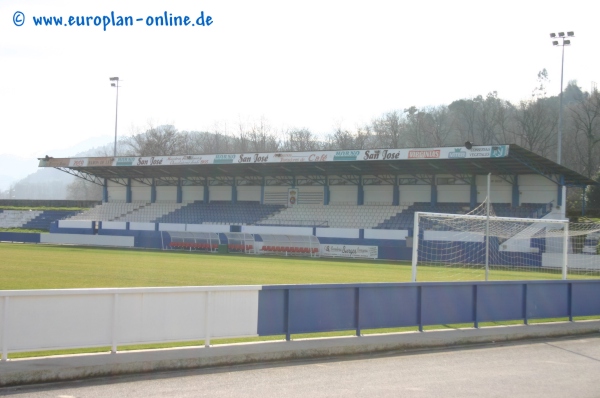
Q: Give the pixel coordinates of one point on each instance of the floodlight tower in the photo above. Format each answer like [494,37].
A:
[562,41]
[115,83]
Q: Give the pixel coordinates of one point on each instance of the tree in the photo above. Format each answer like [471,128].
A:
[585,118]
[388,130]
[81,189]
[593,197]
[162,140]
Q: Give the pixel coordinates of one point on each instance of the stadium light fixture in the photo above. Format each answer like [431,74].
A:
[556,43]
[115,84]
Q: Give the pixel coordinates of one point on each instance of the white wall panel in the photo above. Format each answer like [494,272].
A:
[71,318]
[92,240]
[276,195]
[117,193]
[454,193]
[142,194]
[343,194]
[171,227]
[166,194]
[248,193]
[415,193]
[251,229]
[338,233]
[114,225]
[219,193]
[399,234]
[142,226]
[207,228]
[74,224]
[379,194]
[192,193]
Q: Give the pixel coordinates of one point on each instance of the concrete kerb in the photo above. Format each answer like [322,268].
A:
[75,367]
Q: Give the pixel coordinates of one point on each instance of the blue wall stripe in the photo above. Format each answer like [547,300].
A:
[333,307]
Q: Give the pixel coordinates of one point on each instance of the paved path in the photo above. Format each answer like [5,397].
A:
[552,368]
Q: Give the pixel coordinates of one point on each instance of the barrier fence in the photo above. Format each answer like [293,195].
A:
[33,320]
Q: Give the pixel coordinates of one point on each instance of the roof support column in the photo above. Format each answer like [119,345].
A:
[262,191]
[326,191]
[179,191]
[433,191]
[205,197]
[559,195]
[153,191]
[361,192]
[105,191]
[128,191]
[473,194]
[396,193]
[234,191]
[515,191]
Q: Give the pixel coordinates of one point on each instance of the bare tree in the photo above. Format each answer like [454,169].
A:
[388,129]
[585,120]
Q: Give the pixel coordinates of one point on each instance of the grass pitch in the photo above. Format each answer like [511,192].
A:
[29,266]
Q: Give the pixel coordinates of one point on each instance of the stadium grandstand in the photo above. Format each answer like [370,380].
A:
[352,198]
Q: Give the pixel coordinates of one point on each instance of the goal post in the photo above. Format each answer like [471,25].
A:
[484,247]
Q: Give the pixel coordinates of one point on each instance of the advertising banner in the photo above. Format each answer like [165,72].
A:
[366,155]
[349,251]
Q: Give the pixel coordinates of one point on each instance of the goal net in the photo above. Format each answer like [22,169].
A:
[450,247]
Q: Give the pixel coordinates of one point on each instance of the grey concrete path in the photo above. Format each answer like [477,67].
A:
[567,367]
[53,369]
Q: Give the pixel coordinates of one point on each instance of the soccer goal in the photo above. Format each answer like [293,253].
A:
[450,247]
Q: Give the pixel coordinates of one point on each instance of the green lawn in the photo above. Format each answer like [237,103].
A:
[30,266]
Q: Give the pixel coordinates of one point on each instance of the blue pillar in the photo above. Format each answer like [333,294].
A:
[361,192]
[128,191]
[234,192]
[433,192]
[559,196]
[206,198]
[293,181]
[105,191]
[153,191]
[515,192]
[326,192]
[179,191]
[396,193]
[473,192]
[262,192]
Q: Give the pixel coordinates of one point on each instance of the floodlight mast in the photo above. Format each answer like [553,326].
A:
[115,84]
[565,42]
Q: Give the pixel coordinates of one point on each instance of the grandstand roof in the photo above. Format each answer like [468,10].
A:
[506,160]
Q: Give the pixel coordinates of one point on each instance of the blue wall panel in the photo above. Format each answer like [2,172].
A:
[545,300]
[321,310]
[386,307]
[447,304]
[499,302]
[271,312]
[586,299]
[19,237]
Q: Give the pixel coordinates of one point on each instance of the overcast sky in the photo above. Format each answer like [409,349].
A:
[305,64]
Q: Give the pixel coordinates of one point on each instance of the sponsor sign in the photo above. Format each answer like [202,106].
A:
[97,162]
[125,161]
[349,251]
[424,154]
[224,159]
[497,151]
[458,153]
[346,155]
[79,162]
